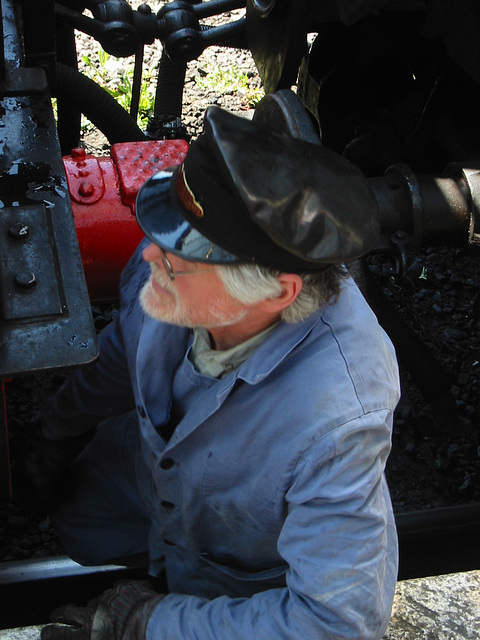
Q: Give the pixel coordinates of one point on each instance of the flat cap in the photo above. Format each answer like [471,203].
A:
[247,194]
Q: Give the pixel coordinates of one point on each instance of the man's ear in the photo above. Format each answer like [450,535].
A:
[291,286]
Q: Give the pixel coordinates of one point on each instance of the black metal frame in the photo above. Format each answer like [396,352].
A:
[45,318]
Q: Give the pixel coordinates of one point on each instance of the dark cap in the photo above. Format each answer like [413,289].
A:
[246,194]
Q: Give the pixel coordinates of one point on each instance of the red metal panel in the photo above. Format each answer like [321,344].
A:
[103,192]
[137,161]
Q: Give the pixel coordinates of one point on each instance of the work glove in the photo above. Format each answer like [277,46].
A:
[41,476]
[121,613]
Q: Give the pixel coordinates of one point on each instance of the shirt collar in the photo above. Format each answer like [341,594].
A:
[217,364]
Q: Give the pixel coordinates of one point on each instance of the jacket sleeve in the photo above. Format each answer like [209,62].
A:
[102,389]
[91,393]
[338,542]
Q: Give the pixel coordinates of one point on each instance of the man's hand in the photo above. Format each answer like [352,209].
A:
[41,479]
[121,613]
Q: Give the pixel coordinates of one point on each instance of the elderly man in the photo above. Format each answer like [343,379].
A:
[241,406]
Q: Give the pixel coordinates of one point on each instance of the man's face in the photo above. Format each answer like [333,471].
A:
[197,299]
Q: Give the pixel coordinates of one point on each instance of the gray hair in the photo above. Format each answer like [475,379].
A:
[251,283]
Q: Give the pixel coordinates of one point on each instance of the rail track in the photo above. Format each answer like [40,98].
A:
[432,542]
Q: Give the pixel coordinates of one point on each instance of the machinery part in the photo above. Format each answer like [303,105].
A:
[437,541]
[282,111]
[39,37]
[136,83]
[116,26]
[276,33]
[69,117]
[467,176]
[103,192]
[183,37]
[120,30]
[97,105]
[47,582]
[167,127]
[45,318]
[166,121]
[434,210]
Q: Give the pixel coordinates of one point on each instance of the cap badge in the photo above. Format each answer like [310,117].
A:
[186,195]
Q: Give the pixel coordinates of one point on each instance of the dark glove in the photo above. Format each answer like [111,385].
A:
[121,613]
[41,477]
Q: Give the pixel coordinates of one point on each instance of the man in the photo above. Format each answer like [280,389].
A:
[244,458]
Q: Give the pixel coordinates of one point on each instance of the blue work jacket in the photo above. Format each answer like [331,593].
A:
[269,506]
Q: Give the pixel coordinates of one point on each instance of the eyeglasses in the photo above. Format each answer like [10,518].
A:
[169,269]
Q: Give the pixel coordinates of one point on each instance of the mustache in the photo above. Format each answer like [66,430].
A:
[158,274]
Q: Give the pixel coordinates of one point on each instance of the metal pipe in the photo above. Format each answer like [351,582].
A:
[432,209]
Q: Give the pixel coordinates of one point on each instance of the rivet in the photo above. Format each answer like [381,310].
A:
[25,279]
[78,152]
[86,189]
[19,230]
[144,8]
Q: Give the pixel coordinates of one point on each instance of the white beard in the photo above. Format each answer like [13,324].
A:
[169,308]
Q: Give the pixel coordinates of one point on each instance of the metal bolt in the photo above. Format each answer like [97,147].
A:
[19,230]
[79,152]
[25,279]
[86,189]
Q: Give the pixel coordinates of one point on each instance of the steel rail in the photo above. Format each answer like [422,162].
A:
[432,542]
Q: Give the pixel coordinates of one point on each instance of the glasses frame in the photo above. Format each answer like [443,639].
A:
[172,274]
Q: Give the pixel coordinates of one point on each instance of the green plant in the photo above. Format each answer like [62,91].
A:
[213,79]
[117,79]
[222,81]
[146,103]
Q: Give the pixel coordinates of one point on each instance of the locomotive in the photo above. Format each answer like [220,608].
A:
[393,85]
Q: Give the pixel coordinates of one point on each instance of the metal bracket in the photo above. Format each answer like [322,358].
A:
[45,313]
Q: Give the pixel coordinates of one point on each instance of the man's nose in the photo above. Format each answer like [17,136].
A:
[152,253]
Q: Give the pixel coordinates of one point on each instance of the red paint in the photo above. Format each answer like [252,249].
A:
[103,192]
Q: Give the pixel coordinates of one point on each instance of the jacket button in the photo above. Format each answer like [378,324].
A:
[167,463]
[141,411]
[166,504]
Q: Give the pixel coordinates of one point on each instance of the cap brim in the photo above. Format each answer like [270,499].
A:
[158,212]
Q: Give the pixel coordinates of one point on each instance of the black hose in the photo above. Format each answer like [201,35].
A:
[170,83]
[97,105]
